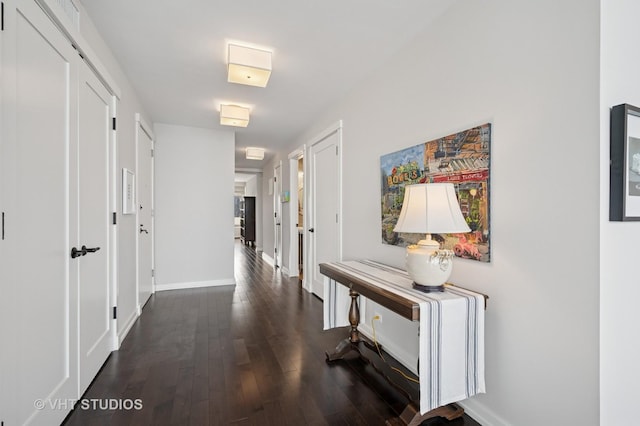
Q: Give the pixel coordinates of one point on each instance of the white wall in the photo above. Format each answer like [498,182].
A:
[251,187]
[620,346]
[531,69]
[194,186]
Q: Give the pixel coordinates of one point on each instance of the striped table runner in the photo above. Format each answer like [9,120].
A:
[451,330]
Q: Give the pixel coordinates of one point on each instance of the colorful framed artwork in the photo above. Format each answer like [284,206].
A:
[463,159]
[624,179]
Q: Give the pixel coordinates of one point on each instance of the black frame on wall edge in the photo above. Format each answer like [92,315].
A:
[624,174]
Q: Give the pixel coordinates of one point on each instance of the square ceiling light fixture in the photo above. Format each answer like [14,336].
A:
[255,153]
[234,115]
[249,66]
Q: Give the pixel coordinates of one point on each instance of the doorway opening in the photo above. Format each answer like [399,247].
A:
[297,241]
[247,208]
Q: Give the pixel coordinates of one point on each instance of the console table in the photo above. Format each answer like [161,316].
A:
[456,314]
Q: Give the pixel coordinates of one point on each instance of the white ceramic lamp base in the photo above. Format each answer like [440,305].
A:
[428,266]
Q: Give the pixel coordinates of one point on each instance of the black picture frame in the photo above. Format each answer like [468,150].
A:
[624,175]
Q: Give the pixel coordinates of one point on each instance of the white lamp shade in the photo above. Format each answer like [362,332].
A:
[255,153]
[234,115]
[249,66]
[431,208]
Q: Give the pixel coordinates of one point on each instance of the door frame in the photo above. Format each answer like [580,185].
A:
[142,125]
[309,185]
[277,210]
[294,157]
[113,233]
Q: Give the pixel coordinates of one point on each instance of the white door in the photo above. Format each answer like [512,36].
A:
[277,207]
[95,127]
[145,212]
[324,221]
[39,134]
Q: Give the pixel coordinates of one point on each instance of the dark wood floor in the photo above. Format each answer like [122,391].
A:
[252,354]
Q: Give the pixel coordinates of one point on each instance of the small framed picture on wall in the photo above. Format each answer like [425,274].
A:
[624,182]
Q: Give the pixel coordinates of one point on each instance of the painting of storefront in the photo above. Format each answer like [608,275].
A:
[463,159]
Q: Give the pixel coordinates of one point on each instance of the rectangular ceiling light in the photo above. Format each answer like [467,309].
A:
[249,66]
[255,153]
[234,115]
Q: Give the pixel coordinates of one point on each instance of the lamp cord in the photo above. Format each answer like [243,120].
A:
[375,341]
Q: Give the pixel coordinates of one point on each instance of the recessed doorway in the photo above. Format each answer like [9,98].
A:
[296,212]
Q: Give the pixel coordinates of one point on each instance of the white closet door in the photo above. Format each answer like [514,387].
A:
[95,126]
[145,219]
[324,193]
[39,78]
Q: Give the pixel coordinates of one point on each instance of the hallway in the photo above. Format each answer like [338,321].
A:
[251,354]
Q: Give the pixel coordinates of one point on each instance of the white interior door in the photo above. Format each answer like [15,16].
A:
[277,207]
[144,181]
[39,134]
[94,144]
[324,192]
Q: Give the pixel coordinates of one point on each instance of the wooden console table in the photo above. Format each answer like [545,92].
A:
[391,288]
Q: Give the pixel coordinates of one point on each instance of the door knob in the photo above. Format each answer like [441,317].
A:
[311,229]
[83,251]
[77,253]
[143,230]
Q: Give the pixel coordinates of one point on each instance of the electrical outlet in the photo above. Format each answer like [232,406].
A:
[378,317]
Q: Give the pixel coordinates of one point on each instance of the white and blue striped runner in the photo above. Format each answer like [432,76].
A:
[451,330]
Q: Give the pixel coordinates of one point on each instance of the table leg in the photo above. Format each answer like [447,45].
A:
[351,343]
[411,415]
[354,317]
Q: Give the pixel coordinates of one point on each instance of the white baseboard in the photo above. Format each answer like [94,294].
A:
[268,259]
[126,326]
[306,284]
[291,274]
[285,271]
[479,413]
[195,284]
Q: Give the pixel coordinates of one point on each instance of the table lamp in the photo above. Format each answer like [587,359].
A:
[430,208]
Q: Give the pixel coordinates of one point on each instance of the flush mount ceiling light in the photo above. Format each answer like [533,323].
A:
[234,115]
[249,66]
[255,153]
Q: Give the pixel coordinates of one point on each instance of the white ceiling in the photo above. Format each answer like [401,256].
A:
[174,53]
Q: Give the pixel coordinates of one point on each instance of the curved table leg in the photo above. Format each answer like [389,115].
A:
[350,343]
